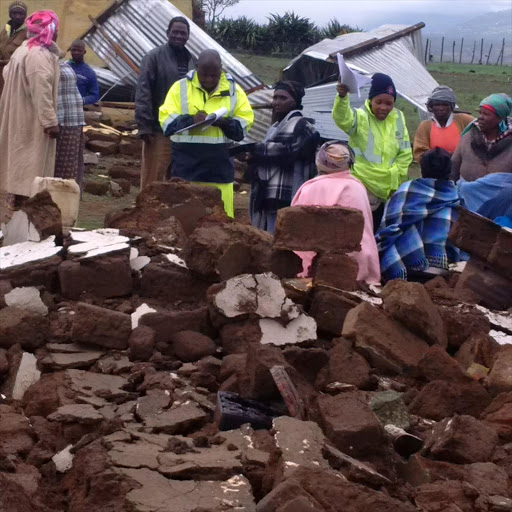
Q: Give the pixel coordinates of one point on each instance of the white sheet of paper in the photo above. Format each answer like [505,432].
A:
[351,78]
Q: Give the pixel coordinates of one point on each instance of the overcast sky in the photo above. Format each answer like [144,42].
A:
[367,14]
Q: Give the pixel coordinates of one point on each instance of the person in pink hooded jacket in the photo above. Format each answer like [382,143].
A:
[335,186]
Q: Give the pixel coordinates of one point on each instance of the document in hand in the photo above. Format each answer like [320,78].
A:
[209,120]
[351,78]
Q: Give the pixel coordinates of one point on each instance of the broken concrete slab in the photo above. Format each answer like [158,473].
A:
[298,330]
[23,372]
[386,344]
[17,255]
[177,420]
[62,361]
[28,298]
[319,229]
[142,310]
[100,326]
[84,414]
[63,460]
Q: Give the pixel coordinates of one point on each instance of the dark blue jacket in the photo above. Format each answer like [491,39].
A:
[86,82]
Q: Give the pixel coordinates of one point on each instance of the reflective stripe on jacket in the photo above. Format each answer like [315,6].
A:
[187,97]
[382,148]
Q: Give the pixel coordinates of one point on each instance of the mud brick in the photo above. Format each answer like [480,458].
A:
[319,229]
[329,309]
[337,270]
[500,256]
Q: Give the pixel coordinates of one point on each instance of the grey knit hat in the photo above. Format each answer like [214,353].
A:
[442,93]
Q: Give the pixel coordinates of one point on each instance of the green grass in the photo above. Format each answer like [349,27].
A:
[449,67]
[266,68]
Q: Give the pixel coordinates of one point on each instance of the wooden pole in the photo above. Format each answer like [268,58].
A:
[426,52]
[473,56]
[461,46]
[499,58]
[442,48]
[502,51]
[489,55]
[114,45]
[481,51]
[453,52]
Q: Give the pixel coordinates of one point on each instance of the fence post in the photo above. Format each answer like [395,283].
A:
[442,48]
[481,51]
[426,52]
[473,56]
[453,52]
[461,46]
[502,51]
[489,55]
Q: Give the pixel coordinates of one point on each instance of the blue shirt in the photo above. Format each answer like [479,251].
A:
[86,82]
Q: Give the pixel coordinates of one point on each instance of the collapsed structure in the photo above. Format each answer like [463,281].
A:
[173,362]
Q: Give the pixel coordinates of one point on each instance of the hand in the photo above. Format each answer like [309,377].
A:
[52,132]
[200,117]
[147,138]
[342,89]
[220,122]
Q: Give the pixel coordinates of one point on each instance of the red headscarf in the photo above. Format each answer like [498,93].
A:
[41,25]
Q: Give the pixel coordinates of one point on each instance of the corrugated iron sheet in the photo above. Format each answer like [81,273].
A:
[138,26]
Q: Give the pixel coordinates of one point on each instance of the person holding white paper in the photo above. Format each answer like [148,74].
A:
[380,140]
[200,153]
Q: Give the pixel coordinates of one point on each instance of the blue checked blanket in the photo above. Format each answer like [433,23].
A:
[415,225]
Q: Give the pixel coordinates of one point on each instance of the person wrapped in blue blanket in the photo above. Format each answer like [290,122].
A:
[413,234]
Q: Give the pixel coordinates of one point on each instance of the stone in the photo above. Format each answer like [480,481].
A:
[167,324]
[96,188]
[76,413]
[152,404]
[80,360]
[5,288]
[462,440]
[474,234]
[24,327]
[488,478]
[347,366]
[130,147]
[499,379]
[350,424]
[141,343]
[500,256]
[105,134]
[107,277]
[130,174]
[410,304]
[222,251]
[213,463]
[90,158]
[336,270]
[138,454]
[437,364]
[255,379]
[190,346]
[488,287]
[99,326]
[236,338]
[16,434]
[440,399]
[325,491]
[447,496]
[27,298]
[308,362]
[188,203]
[300,444]
[172,284]
[153,491]
[103,147]
[386,344]
[499,416]
[462,323]
[124,184]
[390,408]
[479,349]
[329,310]
[180,419]
[319,229]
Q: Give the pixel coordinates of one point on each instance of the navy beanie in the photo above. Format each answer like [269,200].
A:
[382,84]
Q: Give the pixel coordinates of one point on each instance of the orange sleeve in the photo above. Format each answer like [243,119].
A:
[421,140]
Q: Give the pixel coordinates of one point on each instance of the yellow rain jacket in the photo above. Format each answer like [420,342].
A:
[382,148]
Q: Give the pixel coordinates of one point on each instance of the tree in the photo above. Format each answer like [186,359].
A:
[214,9]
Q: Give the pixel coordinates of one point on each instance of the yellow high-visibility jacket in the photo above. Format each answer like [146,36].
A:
[382,148]
[199,155]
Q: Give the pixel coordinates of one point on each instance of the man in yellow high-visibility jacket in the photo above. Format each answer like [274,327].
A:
[201,155]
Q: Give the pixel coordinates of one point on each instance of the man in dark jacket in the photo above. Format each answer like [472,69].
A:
[160,68]
[12,35]
[86,79]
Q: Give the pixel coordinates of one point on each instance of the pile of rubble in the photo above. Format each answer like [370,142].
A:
[173,362]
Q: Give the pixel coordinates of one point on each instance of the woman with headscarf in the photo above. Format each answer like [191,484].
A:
[482,162]
[335,186]
[413,235]
[444,128]
[285,159]
[28,108]
[380,140]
